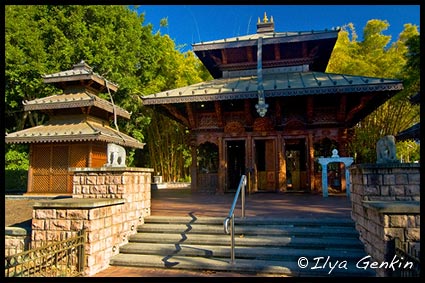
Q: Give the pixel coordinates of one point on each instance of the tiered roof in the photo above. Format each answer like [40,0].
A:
[87,114]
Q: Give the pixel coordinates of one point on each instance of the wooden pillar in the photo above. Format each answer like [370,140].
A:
[249,162]
[30,170]
[221,166]
[281,164]
[311,176]
[193,169]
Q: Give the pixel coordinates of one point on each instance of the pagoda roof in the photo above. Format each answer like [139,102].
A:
[77,128]
[81,98]
[280,49]
[268,38]
[277,82]
[80,73]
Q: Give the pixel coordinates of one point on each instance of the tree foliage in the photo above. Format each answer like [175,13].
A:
[375,57]
[113,40]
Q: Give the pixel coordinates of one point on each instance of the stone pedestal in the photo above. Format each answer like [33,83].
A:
[386,205]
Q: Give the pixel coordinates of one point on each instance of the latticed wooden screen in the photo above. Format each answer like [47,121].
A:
[50,165]
[79,155]
[40,164]
[98,156]
[59,172]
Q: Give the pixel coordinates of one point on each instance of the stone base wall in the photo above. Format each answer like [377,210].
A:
[59,220]
[131,184]
[16,240]
[385,204]
[109,203]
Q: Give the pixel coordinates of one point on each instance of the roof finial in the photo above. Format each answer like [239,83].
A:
[265,18]
[271,19]
[259,21]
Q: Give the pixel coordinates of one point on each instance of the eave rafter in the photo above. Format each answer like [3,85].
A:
[176,113]
[363,101]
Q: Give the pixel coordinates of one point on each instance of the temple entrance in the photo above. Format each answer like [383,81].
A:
[235,159]
[296,165]
[265,165]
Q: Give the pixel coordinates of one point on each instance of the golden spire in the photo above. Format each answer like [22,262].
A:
[265,18]
[271,19]
[259,21]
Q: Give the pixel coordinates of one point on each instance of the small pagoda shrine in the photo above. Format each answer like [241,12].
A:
[270,111]
[77,133]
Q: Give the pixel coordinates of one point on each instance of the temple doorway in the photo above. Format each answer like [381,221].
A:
[235,159]
[296,165]
[265,165]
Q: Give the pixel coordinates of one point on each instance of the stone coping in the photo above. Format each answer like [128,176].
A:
[110,169]
[394,207]
[386,165]
[78,203]
[15,231]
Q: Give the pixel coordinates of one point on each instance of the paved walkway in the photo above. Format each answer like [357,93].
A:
[179,202]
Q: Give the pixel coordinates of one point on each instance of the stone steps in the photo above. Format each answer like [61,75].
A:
[262,246]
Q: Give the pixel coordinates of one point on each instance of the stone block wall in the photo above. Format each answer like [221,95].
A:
[385,182]
[131,184]
[385,204]
[109,203]
[17,240]
[58,220]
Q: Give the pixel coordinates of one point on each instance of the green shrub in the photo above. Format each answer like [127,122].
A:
[16,180]
[16,168]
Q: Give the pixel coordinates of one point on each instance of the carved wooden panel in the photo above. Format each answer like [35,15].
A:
[207,120]
[262,124]
[234,127]
[324,115]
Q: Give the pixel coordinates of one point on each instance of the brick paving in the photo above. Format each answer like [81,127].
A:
[180,202]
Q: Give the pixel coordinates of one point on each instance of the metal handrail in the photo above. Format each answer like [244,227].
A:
[230,219]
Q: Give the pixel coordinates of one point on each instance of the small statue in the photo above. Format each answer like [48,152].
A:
[116,155]
[386,150]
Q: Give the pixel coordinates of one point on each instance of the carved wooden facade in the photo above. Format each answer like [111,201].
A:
[309,113]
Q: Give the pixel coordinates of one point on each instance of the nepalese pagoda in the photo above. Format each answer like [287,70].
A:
[270,111]
[78,131]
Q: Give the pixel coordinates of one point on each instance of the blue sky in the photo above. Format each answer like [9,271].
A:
[188,24]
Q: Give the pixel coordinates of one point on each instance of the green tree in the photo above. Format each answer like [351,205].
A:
[113,40]
[169,152]
[376,58]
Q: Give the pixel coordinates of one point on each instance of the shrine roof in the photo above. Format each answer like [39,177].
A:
[277,82]
[78,128]
[74,100]
[80,72]
[268,38]
[279,49]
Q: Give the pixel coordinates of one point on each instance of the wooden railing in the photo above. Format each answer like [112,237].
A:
[60,259]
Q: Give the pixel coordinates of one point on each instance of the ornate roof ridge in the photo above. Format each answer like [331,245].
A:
[79,71]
